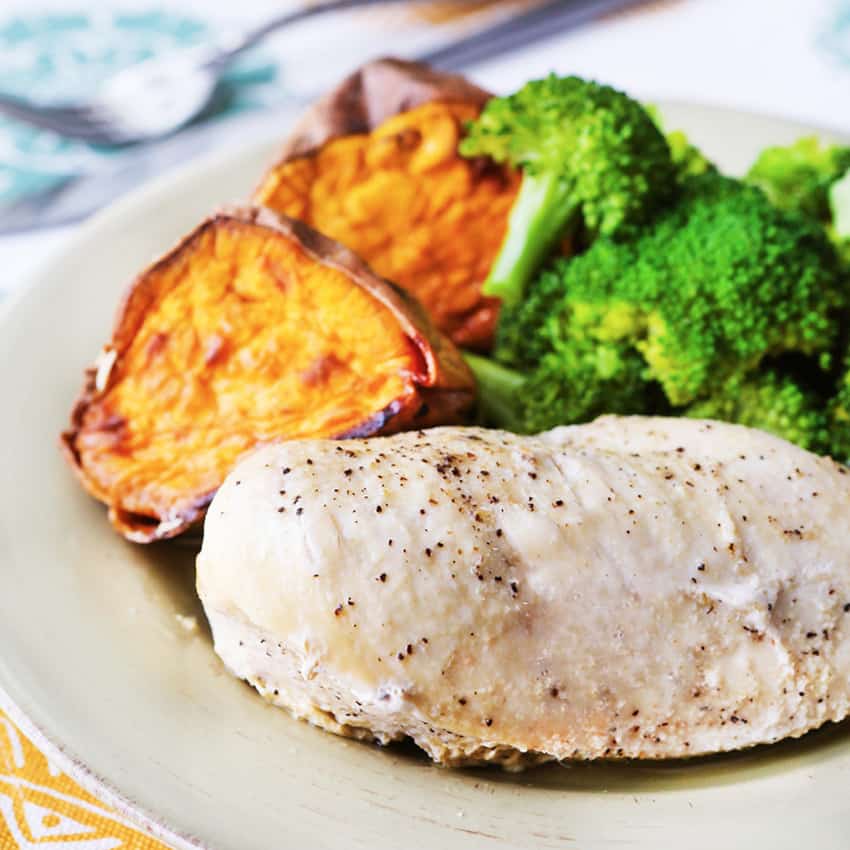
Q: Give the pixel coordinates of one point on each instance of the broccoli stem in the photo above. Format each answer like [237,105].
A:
[498,388]
[540,216]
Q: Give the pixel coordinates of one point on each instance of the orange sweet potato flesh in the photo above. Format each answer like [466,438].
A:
[254,328]
[375,165]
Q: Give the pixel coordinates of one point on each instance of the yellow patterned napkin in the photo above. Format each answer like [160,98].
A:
[42,807]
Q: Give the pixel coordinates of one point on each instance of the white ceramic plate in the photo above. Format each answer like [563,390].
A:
[92,655]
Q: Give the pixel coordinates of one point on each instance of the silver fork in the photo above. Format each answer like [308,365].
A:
[158,96]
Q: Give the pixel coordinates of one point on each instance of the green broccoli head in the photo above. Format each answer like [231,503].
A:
[579,380]
[523,333]
[798,177]
[573,370]
[773,402]
[590,155]
[575,381]
[691,308]
[712,287]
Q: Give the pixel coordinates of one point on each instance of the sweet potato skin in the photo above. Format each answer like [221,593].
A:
[374,164]
[371,95]
[326,348]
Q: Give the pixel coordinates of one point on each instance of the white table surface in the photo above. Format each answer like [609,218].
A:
[756,55]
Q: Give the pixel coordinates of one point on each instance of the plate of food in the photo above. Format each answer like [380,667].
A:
[501,437]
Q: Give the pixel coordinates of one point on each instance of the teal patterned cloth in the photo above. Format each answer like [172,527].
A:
[54,57]
[835,38]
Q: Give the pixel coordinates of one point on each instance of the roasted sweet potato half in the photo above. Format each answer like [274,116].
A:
[375,165]
[254,328]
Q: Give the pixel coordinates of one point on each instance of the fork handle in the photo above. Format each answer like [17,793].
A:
[252,37]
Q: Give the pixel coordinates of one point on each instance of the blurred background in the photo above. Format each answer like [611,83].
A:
[784,57]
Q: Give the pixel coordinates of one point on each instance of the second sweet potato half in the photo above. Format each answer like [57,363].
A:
[375,164]
[254,328]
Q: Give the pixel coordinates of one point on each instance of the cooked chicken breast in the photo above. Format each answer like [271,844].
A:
[636,587]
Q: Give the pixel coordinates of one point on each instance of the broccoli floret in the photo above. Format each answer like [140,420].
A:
[520,338]
[591,157]
[772,402]
[714,286]
[580,379]
[685,311]
[575,381]
[813,179]
[798,177]
[688,159]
